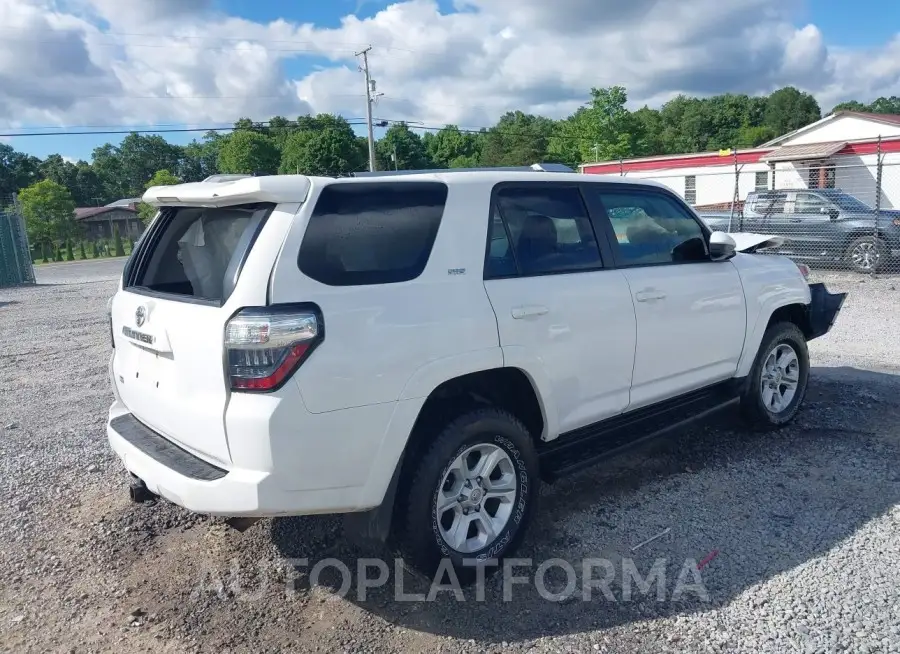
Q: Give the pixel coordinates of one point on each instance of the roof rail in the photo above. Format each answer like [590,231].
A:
[538,167]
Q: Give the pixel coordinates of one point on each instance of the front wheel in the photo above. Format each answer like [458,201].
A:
[472,495]
[865,253]
[777,382]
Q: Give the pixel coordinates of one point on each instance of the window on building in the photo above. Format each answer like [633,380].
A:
[651,228]
[549,228]
[762,181]
[820,176]
[690,189]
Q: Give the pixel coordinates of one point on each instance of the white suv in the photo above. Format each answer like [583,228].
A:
[422,350]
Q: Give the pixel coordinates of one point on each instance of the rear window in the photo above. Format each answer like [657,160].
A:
[196,252]
[372,233]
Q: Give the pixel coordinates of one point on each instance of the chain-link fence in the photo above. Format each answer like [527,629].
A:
[839,214]
[15,255]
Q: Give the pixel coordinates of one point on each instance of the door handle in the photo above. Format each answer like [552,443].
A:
[526,311]
[649,295]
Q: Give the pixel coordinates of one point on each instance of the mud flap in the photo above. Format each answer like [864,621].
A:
[374,526]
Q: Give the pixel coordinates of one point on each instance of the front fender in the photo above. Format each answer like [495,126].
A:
[764,298]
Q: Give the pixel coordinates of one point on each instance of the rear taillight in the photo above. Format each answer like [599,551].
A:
[265,345]
[804,270]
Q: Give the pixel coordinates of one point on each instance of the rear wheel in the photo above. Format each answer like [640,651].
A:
[472,495]
[777,382]
[865,253]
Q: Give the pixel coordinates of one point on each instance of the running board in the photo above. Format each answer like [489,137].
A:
[584,447]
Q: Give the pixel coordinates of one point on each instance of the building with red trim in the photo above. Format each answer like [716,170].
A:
[838,151]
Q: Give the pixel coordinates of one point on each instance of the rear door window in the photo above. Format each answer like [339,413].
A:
[372,233]
[196,252]
[549,228]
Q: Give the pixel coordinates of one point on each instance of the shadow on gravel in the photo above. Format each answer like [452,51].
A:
[766,503]
[7,304]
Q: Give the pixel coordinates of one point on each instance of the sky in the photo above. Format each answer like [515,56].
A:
[80,65]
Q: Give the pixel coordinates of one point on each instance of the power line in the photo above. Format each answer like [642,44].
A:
[147,131]
[354,122]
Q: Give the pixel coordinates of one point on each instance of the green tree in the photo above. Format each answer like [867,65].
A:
[280,128]
[649,128]
[326,145]
[247,152]
[81,252]
[518,139]
[401,148]
[889,105]
[788,109]
[603,130]
[123,170]
[200,159]
[17,170]
[147,211]
[88,190]
[49,212]
[70,254]
[120,247]
[450,145]
[852,105]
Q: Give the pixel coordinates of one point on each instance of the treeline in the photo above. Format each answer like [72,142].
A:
[602,129]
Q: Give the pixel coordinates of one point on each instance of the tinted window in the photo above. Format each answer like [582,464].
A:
[550,229]
[769,203]
[651,228]
[500,259]
[372,233]
[196,252]
[809,204]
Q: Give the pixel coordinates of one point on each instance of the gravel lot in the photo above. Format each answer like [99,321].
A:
[798,531]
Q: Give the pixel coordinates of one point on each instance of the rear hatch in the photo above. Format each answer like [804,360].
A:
[184,281]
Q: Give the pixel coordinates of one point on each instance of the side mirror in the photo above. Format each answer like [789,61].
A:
[721,246]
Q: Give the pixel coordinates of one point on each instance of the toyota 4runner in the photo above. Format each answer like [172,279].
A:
[421,351]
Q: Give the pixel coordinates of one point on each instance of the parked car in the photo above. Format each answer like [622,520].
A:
[819,225]
[421,351]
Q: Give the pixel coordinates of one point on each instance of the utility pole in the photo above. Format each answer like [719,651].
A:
[369,89]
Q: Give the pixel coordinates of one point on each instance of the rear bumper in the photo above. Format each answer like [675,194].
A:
[823,310]
[195,484]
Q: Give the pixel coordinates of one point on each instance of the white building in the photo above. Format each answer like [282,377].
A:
[839,151]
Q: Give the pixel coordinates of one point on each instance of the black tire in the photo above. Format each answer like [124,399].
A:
[419,535]
[858,248]
[753,407]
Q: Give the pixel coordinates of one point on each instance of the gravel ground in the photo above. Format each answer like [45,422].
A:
[796,534]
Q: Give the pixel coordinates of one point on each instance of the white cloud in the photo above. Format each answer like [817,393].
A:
[78,62]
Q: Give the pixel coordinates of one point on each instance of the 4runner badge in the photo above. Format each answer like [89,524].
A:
[140,316]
